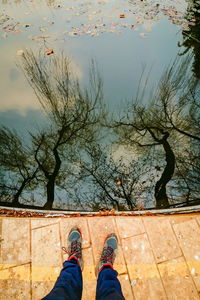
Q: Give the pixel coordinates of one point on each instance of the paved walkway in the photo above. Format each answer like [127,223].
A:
[158,258]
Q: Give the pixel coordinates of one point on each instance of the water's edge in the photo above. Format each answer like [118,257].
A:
[55,213]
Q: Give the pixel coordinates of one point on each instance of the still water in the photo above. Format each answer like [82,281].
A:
[122,37]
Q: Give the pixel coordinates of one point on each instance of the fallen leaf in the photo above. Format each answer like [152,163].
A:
[149,213]
[20,52]
[17,31]
[78,215]
[4,35]
[143,35]
[43,29]
[49,52]
[104,213]
[119,182]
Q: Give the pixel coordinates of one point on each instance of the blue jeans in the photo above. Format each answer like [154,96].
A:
[69,284]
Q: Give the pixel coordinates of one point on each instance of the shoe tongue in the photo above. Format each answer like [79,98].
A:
[75,236]
[112,243]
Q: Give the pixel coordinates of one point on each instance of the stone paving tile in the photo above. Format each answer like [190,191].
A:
[1,236]
[46,259]
[89,278]
[126,287]
[99,230]
[128,227]
[179,277]
[15,283]
[177,280]
[188,235]
[89,290]
[180,219]
[43,222]
[162,238]
[67,224]
[198,219]
[15,244]
[144,275]
[41,289]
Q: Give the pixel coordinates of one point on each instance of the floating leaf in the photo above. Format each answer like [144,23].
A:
[143,35]
[20,52]
[49,52]
[119,182]
[4,35]
[43,29]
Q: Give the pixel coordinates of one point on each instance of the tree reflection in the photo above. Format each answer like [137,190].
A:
[73,111]
[191,36]
[157,141]
[117,182]
[18,167]
[170,119]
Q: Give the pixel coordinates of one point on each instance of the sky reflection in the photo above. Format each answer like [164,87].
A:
[85,31]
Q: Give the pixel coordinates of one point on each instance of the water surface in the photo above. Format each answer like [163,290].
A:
[122,36]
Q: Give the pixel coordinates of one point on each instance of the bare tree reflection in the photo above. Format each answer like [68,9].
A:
[191,36]
[169,120]
[75,152]
[17,162]
[74,112]
[117,183]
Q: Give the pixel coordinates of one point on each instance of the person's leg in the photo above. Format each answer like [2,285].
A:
[108,285]
[69,284]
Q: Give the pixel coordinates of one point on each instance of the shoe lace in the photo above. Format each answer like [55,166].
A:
[108,255]
[75,249]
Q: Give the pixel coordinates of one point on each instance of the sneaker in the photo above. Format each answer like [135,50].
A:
[74,246]
[109,252]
